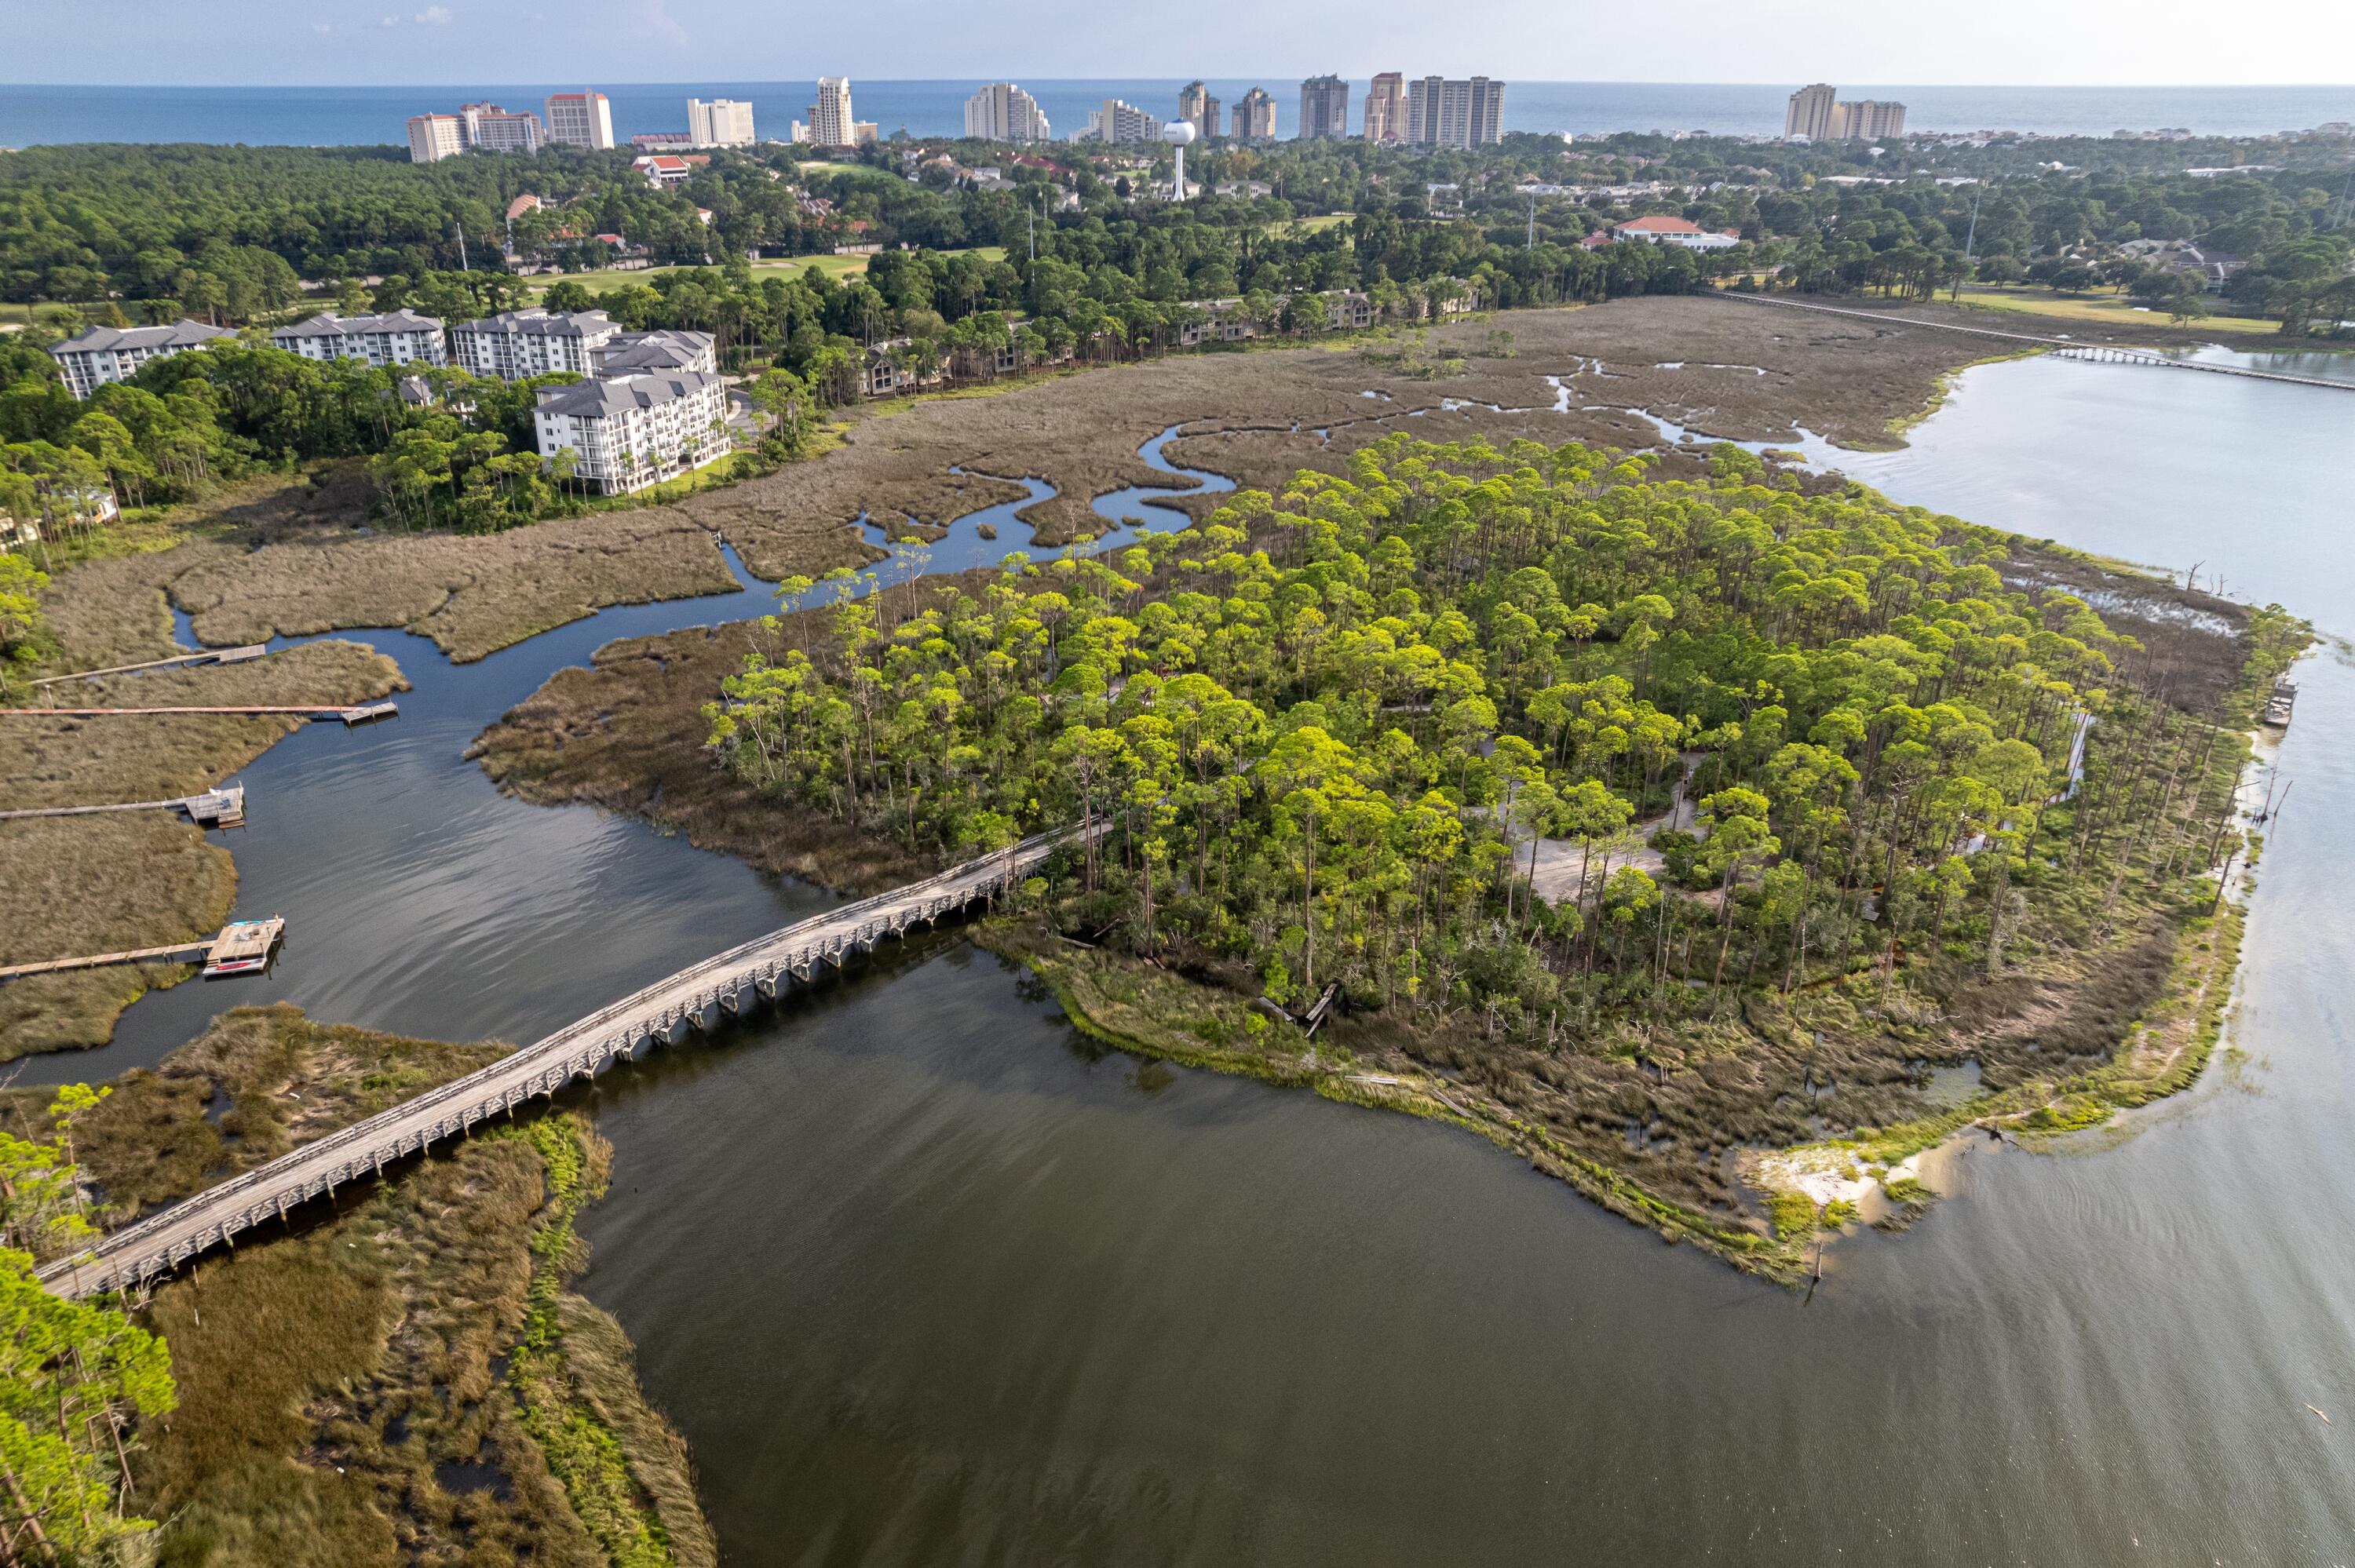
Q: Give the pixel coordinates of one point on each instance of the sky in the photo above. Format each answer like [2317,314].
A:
[408,42]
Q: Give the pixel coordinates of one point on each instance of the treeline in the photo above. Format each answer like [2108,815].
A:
[1321,730]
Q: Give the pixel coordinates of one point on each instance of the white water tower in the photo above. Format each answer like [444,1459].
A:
[1178,132]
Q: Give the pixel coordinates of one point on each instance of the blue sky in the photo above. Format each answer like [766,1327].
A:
[309,42]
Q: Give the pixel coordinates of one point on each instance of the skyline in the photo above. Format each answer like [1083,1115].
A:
[256,42]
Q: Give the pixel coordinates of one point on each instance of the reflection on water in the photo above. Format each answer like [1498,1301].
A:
[924,1279]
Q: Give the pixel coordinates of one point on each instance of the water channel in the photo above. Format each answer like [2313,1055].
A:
[924,1279]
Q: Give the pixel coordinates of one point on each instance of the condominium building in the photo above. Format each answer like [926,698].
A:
[433,137]
[490,129]
[1004,113]
[1323,108]
[580,120]
[400,338]
[514,345]
[90,359]
[1119,121]
[719,123]
[656,352]
[1869,120]
[1255,116]
[1443,113]
[832,124]
[631,431]
[1198,109]
[1386,108]
[1810,113]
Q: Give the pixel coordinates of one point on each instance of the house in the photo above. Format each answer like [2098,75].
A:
[663,169]
[92,358]
[628,432]
[397,338]
[1676,231]
[1349,310]
[890,368]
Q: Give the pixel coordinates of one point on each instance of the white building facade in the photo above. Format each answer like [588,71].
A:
[580,120]
[719,123]
[1443,113]
[433,137]
[1004,113]
[90,359]
[514,345]
[632,431]
[490,129]
[832,122]
[400,338]
[1122,121]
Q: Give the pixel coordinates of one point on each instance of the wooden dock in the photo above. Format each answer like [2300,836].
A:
[350,713]
[180,660]
[240,948]
[222,808]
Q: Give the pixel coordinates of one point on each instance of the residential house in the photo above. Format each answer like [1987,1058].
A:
[1676,231]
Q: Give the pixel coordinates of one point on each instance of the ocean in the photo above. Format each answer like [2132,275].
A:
[344,116]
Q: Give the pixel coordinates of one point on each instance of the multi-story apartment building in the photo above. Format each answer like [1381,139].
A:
[399,337]
[1443,113]
[651,352]
[490,129]
[1198,109]
[719,123]
[1810,113]
[1004,113]
[1255,116]
[433,137]
[1868,120]
[90,359]
[1386,108]
[514,345]
[1120,121]
[580,120]
[832,124]
[631,431]
[1323,108]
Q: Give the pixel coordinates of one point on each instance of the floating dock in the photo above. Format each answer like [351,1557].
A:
[180,660]
[2279,706]
[242,947]
[350,713]
[222,808]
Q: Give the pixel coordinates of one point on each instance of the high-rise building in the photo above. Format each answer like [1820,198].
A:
[1810,113]
[433,137]
[832,124]
[1198,109]
[1443,113]
[1004,113]
[1255,116]
[490,129]
[580,120]
[1386,108]
[1870,119]
[1119,121]
[719,123]
[1323,108]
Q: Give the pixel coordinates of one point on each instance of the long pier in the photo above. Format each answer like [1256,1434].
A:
[206,656]
[2067,347]
[240,948]
[222,808]
[350,713]
[698,998]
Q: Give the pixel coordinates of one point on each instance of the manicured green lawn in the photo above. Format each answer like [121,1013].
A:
[2109,310]
[836,267]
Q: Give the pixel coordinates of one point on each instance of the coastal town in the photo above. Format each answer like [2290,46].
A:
[762,821]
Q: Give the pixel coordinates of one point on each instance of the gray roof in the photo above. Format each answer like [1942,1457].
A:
[181,333]
[603,399]
[326,324]
[543,324]
[658,350]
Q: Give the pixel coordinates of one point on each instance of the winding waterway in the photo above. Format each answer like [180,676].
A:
[924,1279]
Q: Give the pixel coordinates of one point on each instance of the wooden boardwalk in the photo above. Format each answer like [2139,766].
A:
[350,713]
[699,996]
[238,948]
[2069,347]
[222,808]
[207,656]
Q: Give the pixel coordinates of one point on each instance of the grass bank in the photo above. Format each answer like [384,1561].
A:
[407,1382]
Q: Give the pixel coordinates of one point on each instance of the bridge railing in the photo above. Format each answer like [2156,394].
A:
[527,1071]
